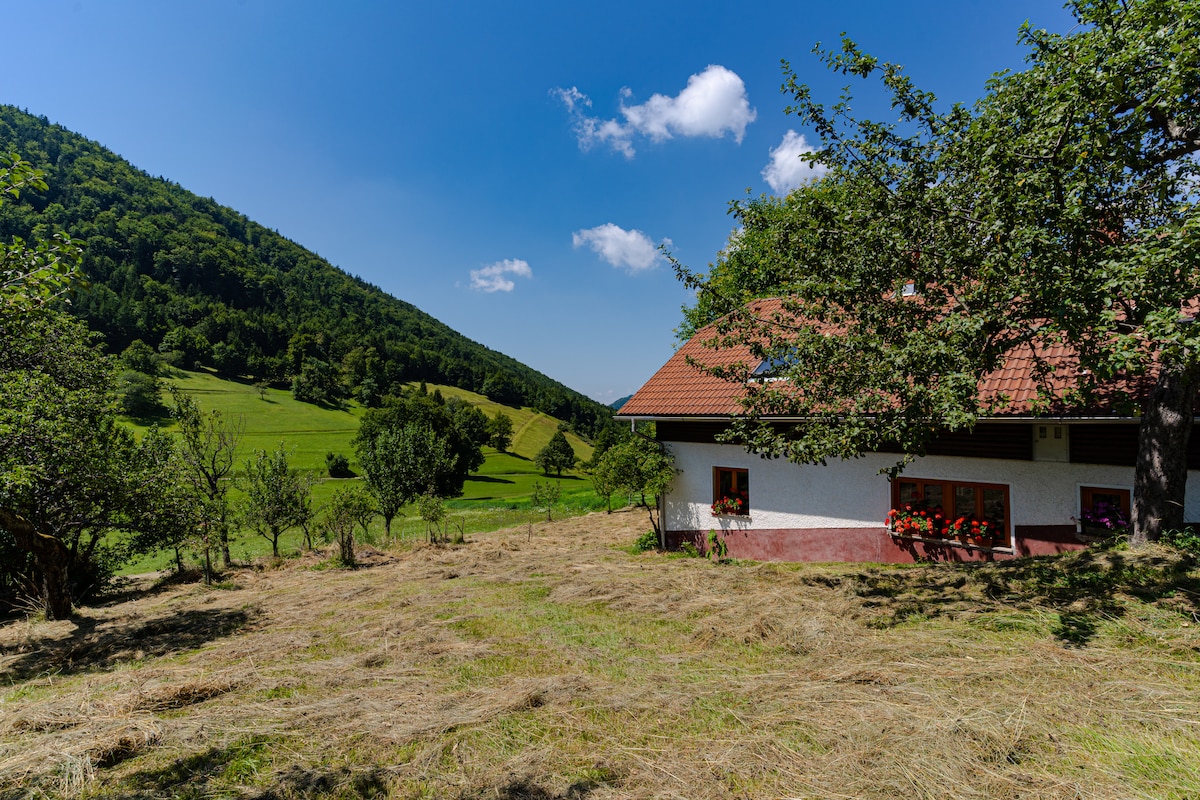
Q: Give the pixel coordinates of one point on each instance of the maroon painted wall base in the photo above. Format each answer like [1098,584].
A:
[872,544]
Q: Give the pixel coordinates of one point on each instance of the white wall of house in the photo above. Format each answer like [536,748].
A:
[852,493]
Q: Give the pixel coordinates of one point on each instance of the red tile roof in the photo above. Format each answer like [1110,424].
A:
[682,389]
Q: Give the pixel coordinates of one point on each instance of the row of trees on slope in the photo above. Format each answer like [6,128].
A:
[203,284]
[1058,211]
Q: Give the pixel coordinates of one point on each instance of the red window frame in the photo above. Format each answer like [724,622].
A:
[1090,495]
[730,482]
[952,496]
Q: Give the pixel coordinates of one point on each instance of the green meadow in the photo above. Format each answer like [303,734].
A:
[497,496]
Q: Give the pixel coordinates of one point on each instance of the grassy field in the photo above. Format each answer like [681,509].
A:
[554,664]
[497,496]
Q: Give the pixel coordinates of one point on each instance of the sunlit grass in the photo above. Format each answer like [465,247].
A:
[497,496]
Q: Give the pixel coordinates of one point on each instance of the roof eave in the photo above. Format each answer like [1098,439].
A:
[1024,418]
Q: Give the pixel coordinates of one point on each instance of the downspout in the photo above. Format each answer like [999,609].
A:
[660,500]
[662,523]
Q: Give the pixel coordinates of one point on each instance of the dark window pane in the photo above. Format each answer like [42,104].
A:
[964,501]
[933,495]
[993,507]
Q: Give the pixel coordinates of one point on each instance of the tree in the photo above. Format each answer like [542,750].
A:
[208,446]
[557,455]
[141,394]
[317,382]
[349,507]
[338,465]
[401,464]
[185,347]
[140,357]
[433,512]
[471,425]
[32,275]
[278,497]
[413,445]
[503,388]
[545,495]
[605,480]
[638,466]
[500,431]
[70,475]
[1057,212]
[606,438]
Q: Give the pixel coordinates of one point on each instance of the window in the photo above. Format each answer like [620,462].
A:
[982,502]
[731,491]
[1104,508]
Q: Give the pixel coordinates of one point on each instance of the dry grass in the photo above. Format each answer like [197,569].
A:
[558,665]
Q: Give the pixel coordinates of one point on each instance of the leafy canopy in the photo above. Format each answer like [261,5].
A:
[1056,211]
[557,455]
[278,496]
[415,445]
[636,465]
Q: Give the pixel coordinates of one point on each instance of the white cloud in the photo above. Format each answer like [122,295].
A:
[713,103]
[492,278]
[572,97]
[787,169]
[632,250]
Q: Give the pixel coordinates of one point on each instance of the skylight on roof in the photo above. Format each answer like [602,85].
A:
[773,366]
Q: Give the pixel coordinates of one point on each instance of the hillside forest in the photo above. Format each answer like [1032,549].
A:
[203,285]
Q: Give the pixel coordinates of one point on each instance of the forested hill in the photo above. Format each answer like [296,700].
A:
[204,284]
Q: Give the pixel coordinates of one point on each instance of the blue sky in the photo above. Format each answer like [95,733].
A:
[507,167]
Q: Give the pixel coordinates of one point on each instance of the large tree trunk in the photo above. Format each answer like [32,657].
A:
[1160,474]
[52,558]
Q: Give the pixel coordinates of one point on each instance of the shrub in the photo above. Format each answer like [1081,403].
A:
[716,546]
[647,541]
[1186,540]
[338,465]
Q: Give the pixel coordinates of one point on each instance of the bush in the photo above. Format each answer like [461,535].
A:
[1186,540]
[647,541]
[338,465]
[140,394]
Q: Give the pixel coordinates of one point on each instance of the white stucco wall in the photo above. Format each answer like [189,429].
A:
[852,493]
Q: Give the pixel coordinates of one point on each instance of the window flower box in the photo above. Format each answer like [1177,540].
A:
[920,523]
[729,506]
[913,521]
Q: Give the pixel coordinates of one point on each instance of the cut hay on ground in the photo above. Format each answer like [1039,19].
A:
[554,664]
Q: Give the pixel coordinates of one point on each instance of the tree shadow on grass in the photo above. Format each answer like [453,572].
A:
[101,645]
[298,782]
[526,789]
[1083,587]
[157,416]
[486,479]
[207,773]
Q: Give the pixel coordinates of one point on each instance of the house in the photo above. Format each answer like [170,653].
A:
[1028,477]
